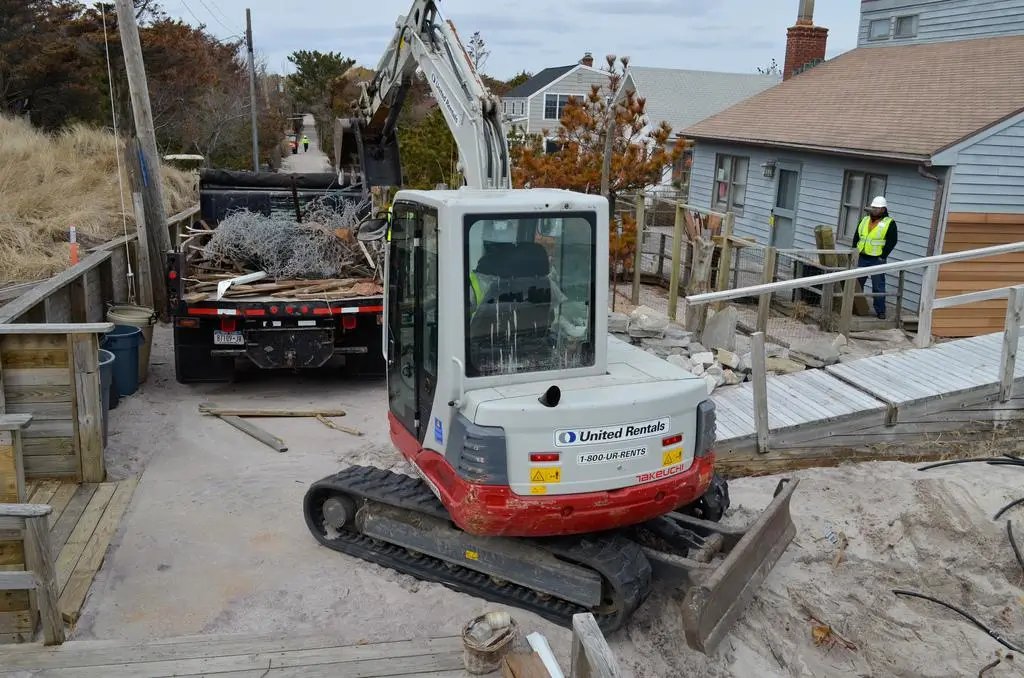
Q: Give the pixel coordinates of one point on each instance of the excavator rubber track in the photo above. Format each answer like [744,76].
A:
[624,569]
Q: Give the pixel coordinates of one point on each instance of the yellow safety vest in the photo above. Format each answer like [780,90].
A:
[391,211]
[871,242]
[474,283]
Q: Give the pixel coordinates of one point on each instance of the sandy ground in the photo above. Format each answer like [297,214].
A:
[214,542]
[313,160]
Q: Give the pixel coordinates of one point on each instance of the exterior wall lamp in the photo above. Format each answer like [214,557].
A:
[768,169]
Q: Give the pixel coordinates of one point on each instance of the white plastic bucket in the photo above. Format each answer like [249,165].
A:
[143,318]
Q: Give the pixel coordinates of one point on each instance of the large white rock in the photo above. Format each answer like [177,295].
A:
[720,329]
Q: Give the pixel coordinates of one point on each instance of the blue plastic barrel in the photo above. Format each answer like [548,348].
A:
[124,342]
[106,386]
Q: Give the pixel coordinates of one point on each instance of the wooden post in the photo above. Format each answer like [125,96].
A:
[252,94]
[152,184]
[40,562]
[673,278]
[641,222]
[85,352]
[725,258]
[764,302]
[760,382]
[661,256]
[145,280]
[591,656]
[828,295]
[1011,337]
[924,314]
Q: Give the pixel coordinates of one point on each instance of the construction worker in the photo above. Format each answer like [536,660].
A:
[305,143]
[875,239]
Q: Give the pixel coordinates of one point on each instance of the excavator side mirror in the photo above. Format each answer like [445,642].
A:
[373,229]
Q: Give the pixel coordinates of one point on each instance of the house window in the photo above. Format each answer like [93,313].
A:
[551,145]
[681,168]
[521,108]
[906,26]
[880,29]
[859,189]
[730,183]
[554,105]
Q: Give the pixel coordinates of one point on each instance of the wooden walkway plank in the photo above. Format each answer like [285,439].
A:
[326,663]
[59,502]
[73,596]
[72,551]
[95,653]
[78,497]
[44,492]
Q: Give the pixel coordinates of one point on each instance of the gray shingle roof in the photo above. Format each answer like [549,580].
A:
[538,82]
[683,97]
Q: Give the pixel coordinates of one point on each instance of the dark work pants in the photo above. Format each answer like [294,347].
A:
[877,281]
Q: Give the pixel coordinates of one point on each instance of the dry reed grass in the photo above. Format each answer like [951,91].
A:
[50,182]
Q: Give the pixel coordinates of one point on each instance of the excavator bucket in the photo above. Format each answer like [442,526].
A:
[373,156]
[718,593]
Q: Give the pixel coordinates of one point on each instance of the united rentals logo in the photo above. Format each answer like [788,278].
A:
[590,436]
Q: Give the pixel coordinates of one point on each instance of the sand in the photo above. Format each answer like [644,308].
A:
[214,542]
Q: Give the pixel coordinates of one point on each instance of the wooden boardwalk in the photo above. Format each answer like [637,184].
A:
[84,519]
[870,396]
[235,656]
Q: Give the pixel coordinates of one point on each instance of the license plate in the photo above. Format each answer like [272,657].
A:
[221,338]
[585,458]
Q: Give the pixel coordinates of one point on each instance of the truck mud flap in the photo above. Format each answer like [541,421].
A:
[718,595]
[289,348]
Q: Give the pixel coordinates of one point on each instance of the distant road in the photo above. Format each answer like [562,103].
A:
[313,160]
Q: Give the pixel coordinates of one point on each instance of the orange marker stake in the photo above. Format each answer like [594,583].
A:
[73,239]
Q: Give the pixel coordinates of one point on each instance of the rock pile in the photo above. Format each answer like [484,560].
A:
[714,357]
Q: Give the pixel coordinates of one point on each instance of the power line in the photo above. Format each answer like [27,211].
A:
[215,17]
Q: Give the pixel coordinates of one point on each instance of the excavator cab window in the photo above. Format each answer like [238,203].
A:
[534,282]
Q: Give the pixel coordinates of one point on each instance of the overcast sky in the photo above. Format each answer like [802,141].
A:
[717,35]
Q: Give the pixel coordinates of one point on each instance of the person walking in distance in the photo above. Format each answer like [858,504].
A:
[305,143]
[875,240]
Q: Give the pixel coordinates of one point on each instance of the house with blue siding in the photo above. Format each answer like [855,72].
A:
[929,118]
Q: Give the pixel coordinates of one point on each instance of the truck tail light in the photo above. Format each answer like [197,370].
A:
[545,457]
[348,322]
[186,322]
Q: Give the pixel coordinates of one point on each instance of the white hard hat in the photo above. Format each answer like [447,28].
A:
[879,202]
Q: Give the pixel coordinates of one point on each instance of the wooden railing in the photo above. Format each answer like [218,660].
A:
[1011,333]
[40,575]
[80,293]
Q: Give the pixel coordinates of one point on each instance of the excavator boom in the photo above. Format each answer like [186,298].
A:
[425,42]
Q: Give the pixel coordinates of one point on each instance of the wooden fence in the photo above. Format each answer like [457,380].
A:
[80,293]
[38,582]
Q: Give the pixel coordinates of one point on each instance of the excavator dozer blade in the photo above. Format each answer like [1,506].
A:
[719,595]
[374,156]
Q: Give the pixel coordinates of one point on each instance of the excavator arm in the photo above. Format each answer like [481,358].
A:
[424,41]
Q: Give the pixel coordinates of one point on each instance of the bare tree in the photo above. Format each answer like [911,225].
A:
[771,69]
[478,51]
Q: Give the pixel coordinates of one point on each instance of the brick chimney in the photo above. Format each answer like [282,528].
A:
[588,59]
[805,42]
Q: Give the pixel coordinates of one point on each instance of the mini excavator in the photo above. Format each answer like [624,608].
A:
[559,468]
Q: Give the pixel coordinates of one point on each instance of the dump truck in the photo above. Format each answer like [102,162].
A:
[222,318]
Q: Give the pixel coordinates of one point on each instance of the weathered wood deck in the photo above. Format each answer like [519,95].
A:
[84,520]
[872,400]
[235,656]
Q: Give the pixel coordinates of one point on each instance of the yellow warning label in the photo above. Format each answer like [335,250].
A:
[546,475]
[673,456]
[539,489]
[472,555]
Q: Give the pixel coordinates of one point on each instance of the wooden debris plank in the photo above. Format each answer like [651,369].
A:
[61,529]
[325,663]
[217,410]
[254,431]
[524,665]
[100,653]
[338,427]
[73,596]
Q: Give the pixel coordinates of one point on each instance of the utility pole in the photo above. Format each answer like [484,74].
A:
[151,186]
[252,92]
